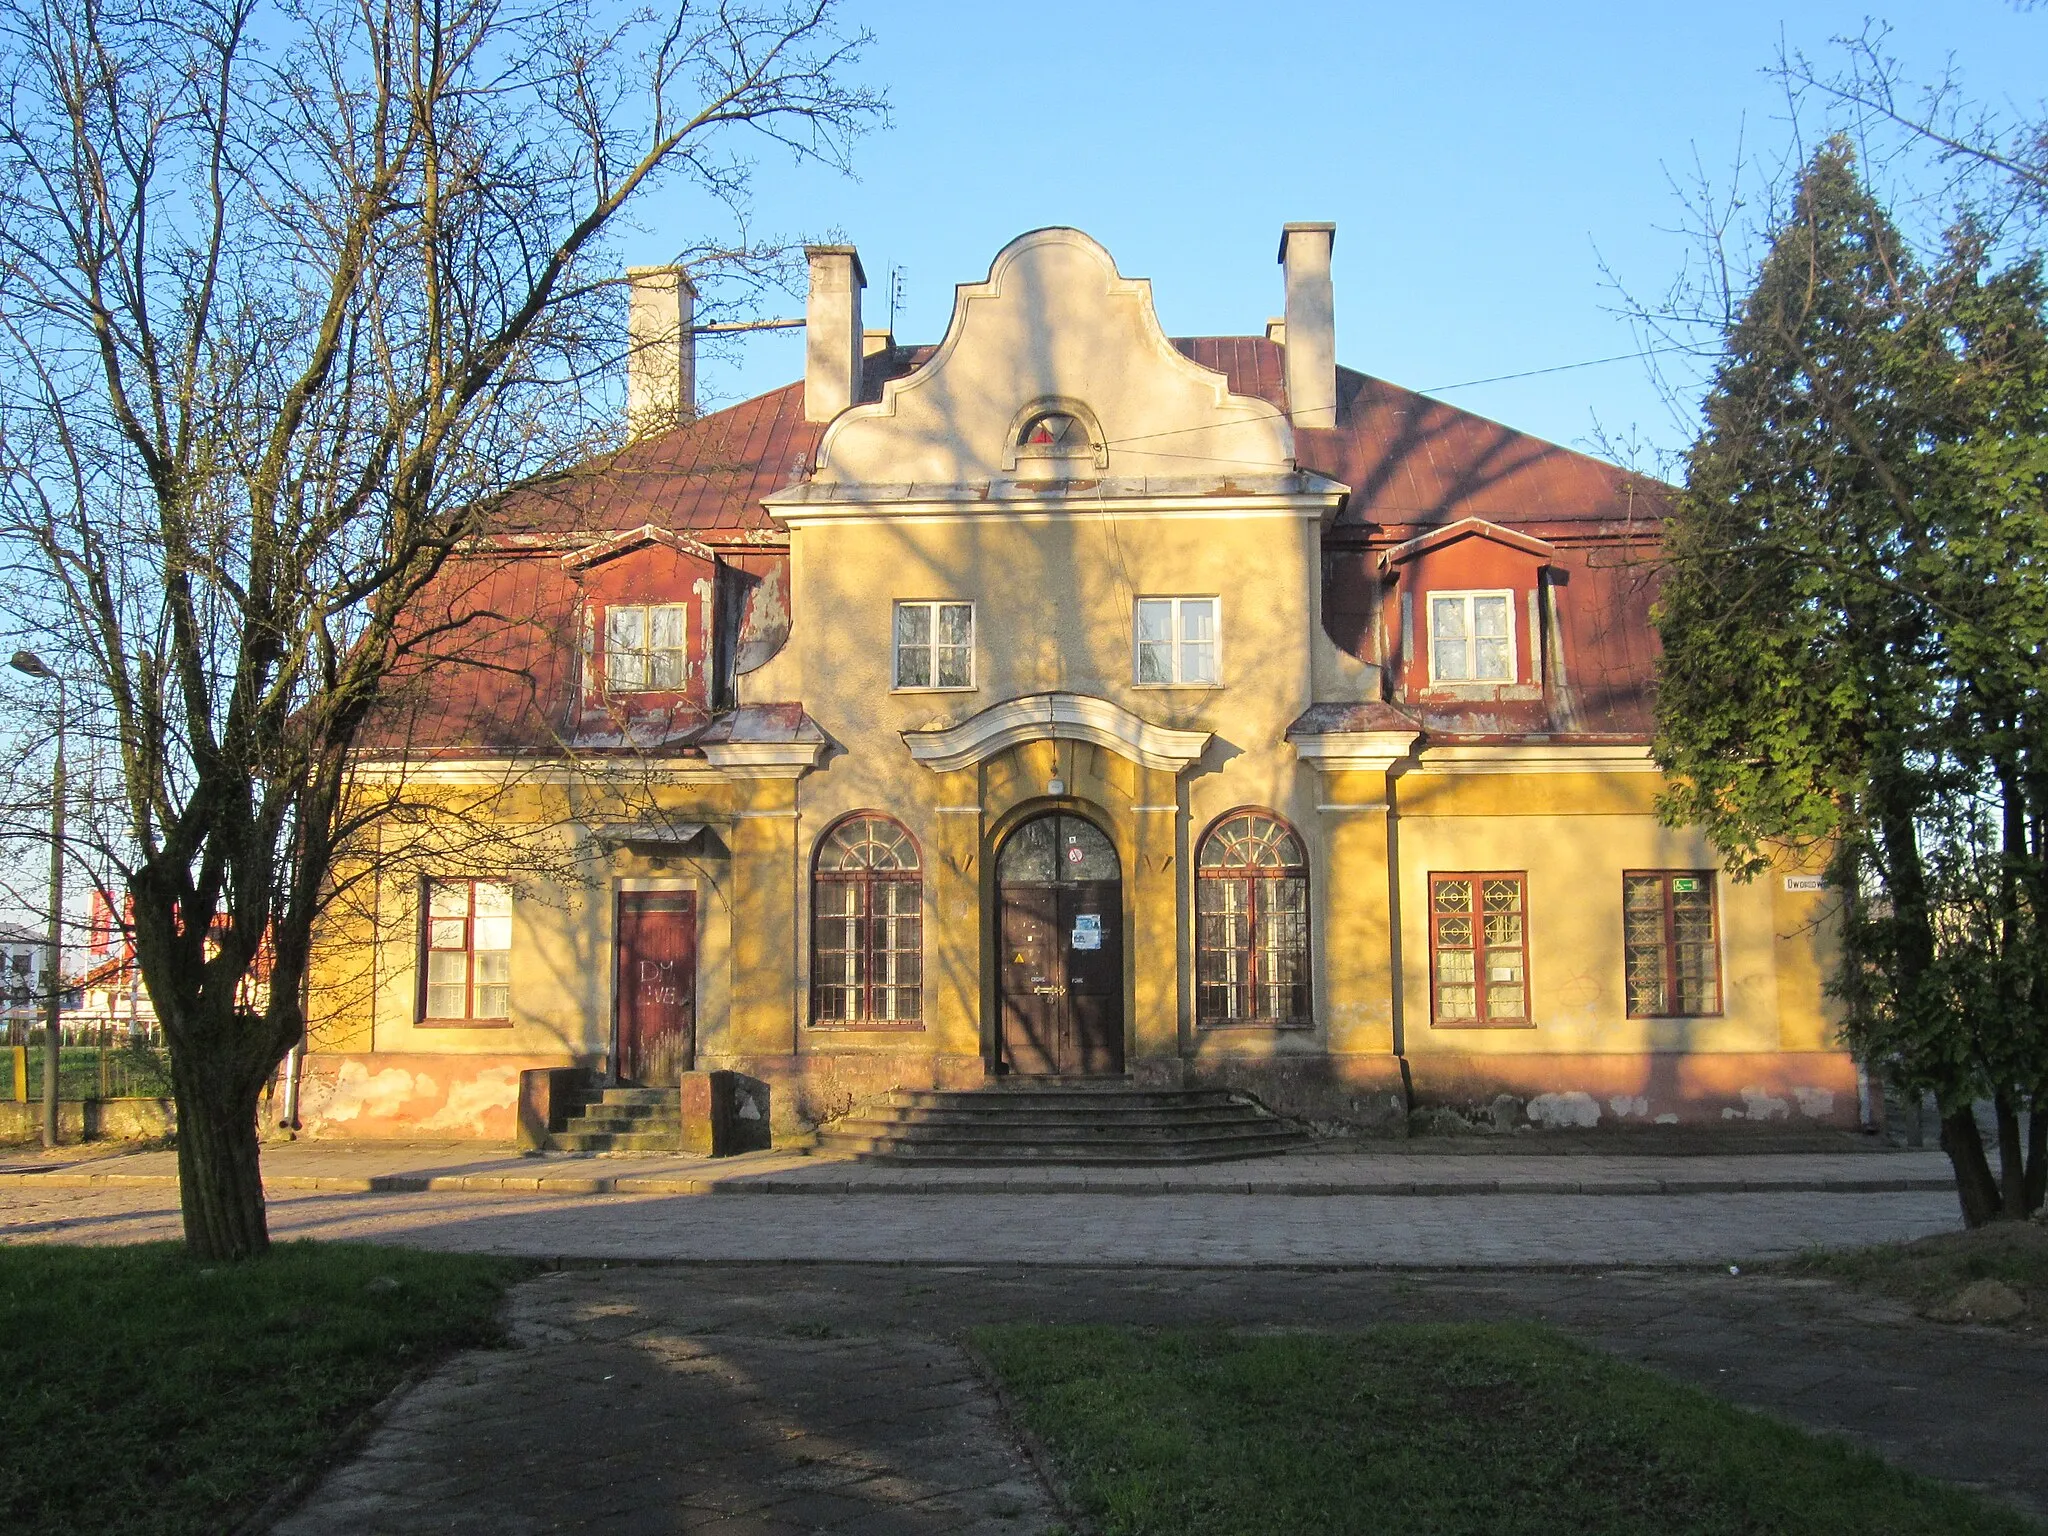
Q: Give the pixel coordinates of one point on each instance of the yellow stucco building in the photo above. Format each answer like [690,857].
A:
[1065,700]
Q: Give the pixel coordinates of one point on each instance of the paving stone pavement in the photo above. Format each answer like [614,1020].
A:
[1617,1164]
[982,1227]
[772,1399]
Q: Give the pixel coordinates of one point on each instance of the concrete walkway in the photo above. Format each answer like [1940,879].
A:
[729,1399]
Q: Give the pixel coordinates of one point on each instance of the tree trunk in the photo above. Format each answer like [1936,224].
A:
[220,1177]
[2012,1161]
[1975,1187]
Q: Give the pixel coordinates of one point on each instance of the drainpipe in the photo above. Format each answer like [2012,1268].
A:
[293,1064]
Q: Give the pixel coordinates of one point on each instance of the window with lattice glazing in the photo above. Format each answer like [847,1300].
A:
[1251,924]
[468,952]
[646,649]
[867,926]
[1478,949]
[1672,952]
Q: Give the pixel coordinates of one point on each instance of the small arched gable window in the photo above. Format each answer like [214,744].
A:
[1055,435]
[867,928]
[1251,914]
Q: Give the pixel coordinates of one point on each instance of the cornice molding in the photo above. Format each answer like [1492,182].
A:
[764,759]
[1355,751]
[1536,757]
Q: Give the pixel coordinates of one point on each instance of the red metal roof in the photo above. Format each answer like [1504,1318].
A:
[1413,462]
[708,477]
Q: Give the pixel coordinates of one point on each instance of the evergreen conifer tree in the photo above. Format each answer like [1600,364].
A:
[1853,661]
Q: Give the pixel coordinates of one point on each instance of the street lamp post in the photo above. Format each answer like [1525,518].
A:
[31,664]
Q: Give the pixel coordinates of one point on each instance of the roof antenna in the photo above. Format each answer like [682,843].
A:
[895,295]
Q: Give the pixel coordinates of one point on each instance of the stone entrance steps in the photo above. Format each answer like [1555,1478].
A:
[1060,1123]
[623,1120]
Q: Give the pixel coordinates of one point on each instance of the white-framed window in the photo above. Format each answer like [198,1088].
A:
[1471,637]
[646,647]
[934,645]
[1176,640]
[468,952]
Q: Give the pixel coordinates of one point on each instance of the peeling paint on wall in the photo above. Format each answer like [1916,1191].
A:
[362,1094]
[1758,1105]
[764,622]
[473,1106]
[360,1097]
[1815,1103]
[1558,1110]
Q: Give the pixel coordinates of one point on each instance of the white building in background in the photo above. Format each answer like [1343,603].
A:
[24,955]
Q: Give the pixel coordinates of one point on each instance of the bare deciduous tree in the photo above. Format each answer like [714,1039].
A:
[291,292]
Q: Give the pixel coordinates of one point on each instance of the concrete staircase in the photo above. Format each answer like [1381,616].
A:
[623,1120]
[1060,1123]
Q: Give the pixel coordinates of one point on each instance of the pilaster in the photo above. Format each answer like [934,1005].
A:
[954,929]
[1361,932]
[766,886]
[1159,923]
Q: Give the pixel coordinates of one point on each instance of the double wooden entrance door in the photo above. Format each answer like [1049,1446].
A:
[1060,970]
[656,999]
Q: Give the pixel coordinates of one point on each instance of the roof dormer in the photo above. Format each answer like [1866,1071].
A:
[1471,613]
[649,616]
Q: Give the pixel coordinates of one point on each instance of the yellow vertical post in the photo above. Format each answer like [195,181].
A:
[1155,880]
[764,946]
[954,924]
[1358,936]
[21,1074]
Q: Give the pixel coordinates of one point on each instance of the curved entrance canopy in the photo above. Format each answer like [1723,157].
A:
[1055,717]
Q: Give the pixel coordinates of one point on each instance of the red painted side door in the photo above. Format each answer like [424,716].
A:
[657,985]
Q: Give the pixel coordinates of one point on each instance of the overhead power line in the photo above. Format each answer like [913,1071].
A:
[1530,373]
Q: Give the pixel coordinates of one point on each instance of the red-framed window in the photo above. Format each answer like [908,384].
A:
[466,953]
[1671,943]
[1479,949]
[867,926]
[1251,924]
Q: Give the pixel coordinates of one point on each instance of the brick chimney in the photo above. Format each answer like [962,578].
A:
[832,333]
[1310,329]
[661,351]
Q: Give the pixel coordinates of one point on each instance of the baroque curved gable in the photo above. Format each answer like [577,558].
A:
[1055,322]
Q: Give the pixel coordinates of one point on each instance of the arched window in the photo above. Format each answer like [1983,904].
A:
[1251,924]
[1055,435]
[867,930]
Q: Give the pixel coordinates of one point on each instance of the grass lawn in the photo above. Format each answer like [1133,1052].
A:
[1439,1428]
[145,1393]
[1933,1272]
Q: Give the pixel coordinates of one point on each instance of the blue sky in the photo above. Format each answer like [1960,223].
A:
[1479,161]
